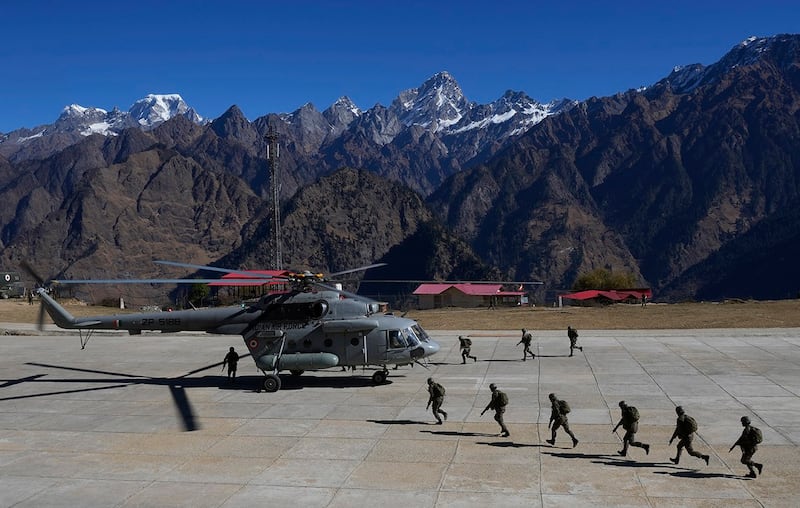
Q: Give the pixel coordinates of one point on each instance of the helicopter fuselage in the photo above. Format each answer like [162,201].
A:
[293,331]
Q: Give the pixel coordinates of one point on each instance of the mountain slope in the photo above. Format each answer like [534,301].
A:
[655,181]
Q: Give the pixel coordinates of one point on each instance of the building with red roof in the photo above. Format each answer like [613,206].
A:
[605,297]
[467,294]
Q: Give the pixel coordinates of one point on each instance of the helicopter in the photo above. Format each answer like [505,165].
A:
[312,326]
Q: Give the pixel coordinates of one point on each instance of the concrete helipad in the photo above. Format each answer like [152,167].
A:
[99,427]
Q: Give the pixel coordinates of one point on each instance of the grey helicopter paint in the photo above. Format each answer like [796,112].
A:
[310,327]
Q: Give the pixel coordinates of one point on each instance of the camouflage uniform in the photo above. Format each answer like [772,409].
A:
[572,333]
[558,418]
[630,422]
[466,345]
[436,393]
[526,340]
[749,446]
[497,404]
[685,434]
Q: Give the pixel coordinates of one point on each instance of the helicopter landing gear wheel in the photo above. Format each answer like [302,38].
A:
[379,377]
[296,373]
[272,383]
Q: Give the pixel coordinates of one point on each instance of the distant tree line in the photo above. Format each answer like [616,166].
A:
[605,279]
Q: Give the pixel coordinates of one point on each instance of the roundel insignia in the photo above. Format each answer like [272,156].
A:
[8,277]
[253,343]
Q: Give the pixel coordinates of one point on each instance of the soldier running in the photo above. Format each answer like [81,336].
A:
[498,403]
[526,339]
[558,418]
[685,428]
[436,392]
[630,422]
[748,441]
[572,333]
[466,346]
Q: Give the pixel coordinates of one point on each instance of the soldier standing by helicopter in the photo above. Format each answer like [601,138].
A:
[231,360]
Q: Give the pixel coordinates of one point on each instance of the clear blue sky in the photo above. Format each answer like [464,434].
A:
[274,56]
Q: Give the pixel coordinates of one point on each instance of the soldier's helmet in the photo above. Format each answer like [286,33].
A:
[552,396]
[622,404]
[745,420]
[430,380]
[679,410]
[492,386]
[524,330]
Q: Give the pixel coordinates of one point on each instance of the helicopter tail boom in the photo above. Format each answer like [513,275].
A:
[60,316]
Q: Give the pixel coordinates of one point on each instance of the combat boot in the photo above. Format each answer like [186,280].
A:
[646,449]
[759,467]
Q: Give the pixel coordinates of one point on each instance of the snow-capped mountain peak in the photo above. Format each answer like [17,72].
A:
[437,104]
[156,109]
[684,79]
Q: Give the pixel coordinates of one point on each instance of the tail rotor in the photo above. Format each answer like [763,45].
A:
[40,283]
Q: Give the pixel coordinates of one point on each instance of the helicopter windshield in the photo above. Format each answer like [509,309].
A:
[411,337]
[421,333]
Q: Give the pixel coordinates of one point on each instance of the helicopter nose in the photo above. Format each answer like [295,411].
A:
[431,348]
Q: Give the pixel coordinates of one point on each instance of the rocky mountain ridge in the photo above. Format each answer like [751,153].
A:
[675,183]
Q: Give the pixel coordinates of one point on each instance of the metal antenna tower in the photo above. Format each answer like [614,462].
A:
[273,154]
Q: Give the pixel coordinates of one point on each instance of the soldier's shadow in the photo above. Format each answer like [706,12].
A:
[610,461]
[552,356]
[397,422]
[576,455]
[455,433]
[510,444]
[698,474]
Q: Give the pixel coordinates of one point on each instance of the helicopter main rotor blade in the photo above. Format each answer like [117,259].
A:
[154,281]
[243,273]
[348,294]
[429,281]
[360,269]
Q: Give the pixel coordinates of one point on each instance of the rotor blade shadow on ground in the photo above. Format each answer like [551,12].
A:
[184,408]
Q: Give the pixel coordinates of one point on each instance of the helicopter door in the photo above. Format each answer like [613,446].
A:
[354,348]
[396,345]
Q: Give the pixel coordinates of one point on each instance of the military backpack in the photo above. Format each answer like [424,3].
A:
[502,398]
[755,435]
[466,342]
[438,390]
[688,425]
[632,414]
[563,407]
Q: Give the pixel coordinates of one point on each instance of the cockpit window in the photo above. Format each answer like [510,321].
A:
[396,339]
[421,333]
